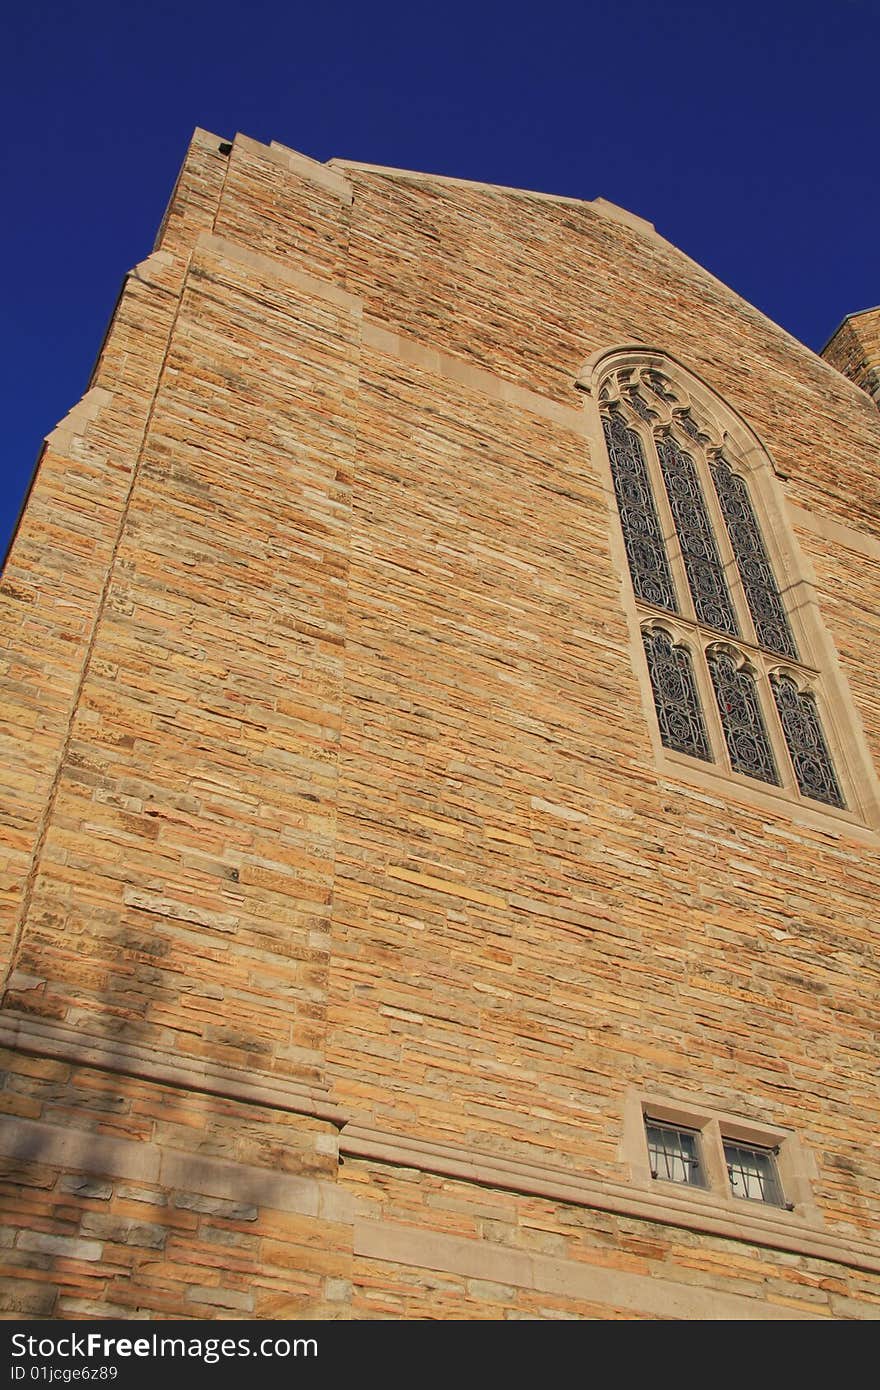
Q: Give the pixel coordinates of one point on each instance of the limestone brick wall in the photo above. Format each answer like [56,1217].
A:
[539,285]
[855,350]
[349,913]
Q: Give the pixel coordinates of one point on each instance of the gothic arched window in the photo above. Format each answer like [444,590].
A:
[732,669]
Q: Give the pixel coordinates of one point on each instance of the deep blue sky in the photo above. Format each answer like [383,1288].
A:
[745,132]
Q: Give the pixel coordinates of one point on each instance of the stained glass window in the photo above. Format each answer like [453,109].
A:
[765,604]
[740,709]
[643,538]
[717,578]
[694,529]
[689,425]
[640,406]
[675,695]
[810,758]
[660,386]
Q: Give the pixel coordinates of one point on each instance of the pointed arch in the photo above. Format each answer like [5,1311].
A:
[707,541]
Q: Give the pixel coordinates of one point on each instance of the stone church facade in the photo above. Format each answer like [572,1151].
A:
[440,853]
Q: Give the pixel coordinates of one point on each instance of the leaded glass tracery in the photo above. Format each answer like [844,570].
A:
[765,603]
[807,748]
[643,538]
[689,425]
[664,450]
[660,386]
[740,709]
[705,572]
[640,406]
[676,699]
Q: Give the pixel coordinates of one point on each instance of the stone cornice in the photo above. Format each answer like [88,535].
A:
[58,1040]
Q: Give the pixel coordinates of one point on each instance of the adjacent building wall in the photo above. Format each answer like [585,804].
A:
[854,349]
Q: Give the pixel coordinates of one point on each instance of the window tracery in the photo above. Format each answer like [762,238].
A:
[642,533]
[695,536]
[813,767]
[676,698]
[740,709]
[765,603]
[696,550]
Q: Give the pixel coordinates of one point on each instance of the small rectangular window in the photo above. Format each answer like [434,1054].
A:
[727,1160]
[674,1153]
[753,1174]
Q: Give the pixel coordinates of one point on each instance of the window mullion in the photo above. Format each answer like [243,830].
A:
[706,691]
[773,725]
[667,526]
[713,1156]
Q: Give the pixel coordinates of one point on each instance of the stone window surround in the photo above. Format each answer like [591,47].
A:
[818,670]
[795,1165]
